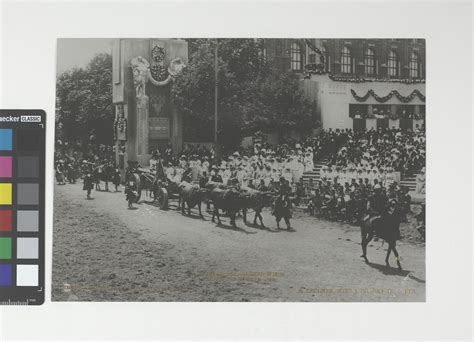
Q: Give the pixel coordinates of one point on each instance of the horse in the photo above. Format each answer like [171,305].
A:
[387,228]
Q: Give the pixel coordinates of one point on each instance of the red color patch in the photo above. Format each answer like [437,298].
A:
[5,220]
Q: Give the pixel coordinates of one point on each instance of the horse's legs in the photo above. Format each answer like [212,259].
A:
[366,238]
[396,255]
[287,221]
[183,206]
[106,186]
[189,209]
[388,254]
[244,215]
[363,236]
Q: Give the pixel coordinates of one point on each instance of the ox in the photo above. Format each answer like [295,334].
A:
[191,195]
[229,200]
[256,200]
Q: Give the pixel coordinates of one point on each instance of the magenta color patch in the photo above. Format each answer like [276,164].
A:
[6,167]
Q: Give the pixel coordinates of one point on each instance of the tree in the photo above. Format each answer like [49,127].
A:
[84,101]
[252,95]
[285,106]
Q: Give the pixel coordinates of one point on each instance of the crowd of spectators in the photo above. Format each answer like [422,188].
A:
[372,156]
[351,201]
[376,153]
[257,166]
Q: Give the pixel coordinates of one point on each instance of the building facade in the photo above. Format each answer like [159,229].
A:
[358,83]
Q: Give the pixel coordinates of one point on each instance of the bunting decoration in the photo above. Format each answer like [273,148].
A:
[315,49]
[362,79]
[318,69]
[382,99]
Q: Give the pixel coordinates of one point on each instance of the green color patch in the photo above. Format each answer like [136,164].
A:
[5,248]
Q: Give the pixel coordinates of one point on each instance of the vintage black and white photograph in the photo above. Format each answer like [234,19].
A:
[240,170]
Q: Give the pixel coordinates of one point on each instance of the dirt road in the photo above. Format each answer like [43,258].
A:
[106,252]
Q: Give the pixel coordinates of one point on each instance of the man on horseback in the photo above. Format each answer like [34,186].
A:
[387,227]
[376,207]
[377,203]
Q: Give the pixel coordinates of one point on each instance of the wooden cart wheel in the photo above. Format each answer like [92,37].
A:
[162,198]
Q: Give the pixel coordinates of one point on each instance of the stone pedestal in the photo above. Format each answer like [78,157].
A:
[142,151]
[141,86]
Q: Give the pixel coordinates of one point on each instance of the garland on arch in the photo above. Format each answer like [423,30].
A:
[382,99]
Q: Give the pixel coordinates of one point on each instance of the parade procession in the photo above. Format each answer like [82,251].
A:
[215,143]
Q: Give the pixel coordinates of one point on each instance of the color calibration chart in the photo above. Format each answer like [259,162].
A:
[22,193]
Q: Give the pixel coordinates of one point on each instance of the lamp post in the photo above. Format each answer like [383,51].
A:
[216,75]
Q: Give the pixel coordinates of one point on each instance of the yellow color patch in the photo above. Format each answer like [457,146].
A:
[5,194]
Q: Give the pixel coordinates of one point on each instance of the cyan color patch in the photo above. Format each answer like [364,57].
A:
[6,139]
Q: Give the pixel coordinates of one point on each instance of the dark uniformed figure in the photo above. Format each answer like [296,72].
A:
[282,208]
[405,204]
[188,175]
[377,204]
[285,188]
[88,184]
[130,193]
[116,179]
[216,177]
[203,180]
[98,176]
[391,221]
[71,173]
[60,170]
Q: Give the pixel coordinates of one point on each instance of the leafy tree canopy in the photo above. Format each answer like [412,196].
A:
[252,95]
[84,101]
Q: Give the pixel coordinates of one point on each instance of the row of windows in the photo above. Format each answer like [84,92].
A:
[370,62]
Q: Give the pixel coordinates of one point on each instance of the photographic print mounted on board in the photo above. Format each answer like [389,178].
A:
[240,170]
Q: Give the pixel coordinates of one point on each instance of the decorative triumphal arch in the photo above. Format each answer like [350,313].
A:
[145,118]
